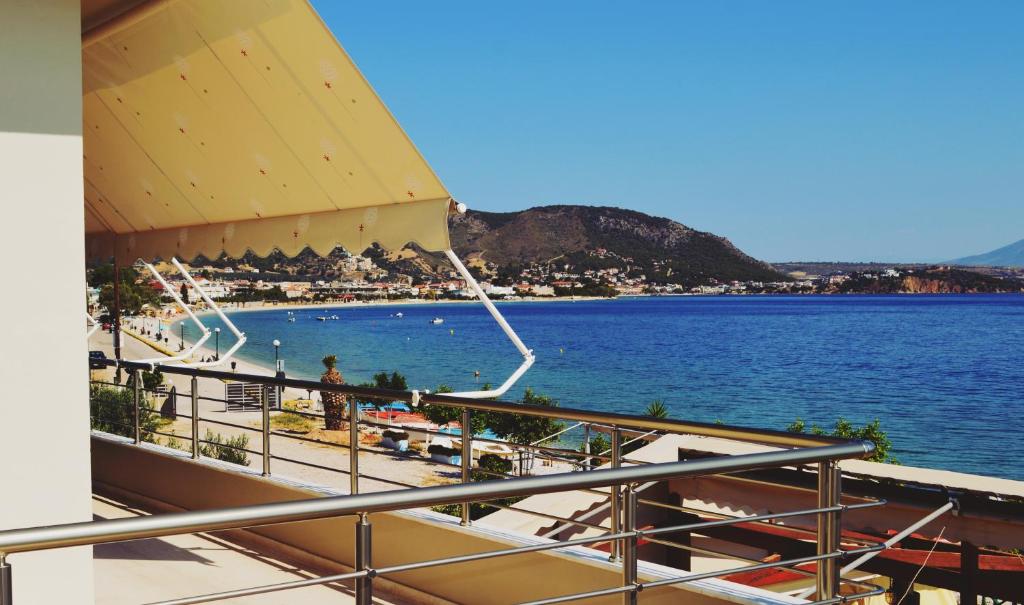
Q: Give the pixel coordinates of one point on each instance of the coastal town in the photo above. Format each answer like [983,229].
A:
[381,277]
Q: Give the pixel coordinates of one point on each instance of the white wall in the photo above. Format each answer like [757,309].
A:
[44,440]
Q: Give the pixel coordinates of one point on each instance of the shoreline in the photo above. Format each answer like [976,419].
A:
[249,307]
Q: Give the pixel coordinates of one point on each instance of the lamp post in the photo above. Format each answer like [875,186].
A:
[216,339]
[278,370]
[181,345]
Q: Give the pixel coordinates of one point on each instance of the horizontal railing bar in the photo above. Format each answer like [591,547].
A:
[231,447]
[515,446]
[279,433]
[583,595]
[267,588]
[492,554]
[545,516]
[725,555]
[877,590]
[726,572]
[163,434]
[738,520]
[114,530]
[231,424]
[573,414]
[340,471]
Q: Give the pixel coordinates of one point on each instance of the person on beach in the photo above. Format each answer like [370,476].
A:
[334,403]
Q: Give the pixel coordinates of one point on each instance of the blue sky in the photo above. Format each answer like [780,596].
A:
[890,131]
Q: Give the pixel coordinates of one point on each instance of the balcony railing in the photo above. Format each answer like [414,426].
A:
[624,485]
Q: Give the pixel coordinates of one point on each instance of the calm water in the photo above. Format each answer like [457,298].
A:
[943,373]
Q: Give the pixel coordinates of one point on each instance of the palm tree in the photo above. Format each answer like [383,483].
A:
[334,403]
[656,409]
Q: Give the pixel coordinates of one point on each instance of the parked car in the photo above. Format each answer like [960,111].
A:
[97,359]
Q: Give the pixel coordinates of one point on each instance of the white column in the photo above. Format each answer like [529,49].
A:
[44,410]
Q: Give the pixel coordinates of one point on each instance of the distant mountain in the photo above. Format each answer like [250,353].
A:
[593,237]
[1007,256]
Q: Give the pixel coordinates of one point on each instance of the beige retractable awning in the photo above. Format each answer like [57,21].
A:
[232,125]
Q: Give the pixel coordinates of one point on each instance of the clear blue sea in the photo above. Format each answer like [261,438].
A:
[945,374]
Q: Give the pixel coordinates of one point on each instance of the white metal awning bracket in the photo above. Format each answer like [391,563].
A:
[95,325]
[224,318]
[185,354]
[528,357]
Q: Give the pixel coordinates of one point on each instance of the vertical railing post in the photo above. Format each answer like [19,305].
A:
[353,446]
[266,434]
[195,417]
[829,526]
[467,457]
[629,545]
[614,493]
[6,590]
[586,446]
[137,405]
[363,560]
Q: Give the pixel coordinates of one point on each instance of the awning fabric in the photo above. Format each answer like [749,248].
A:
[237,125]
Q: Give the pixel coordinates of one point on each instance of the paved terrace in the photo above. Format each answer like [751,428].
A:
[158,569]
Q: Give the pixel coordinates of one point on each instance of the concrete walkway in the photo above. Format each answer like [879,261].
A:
[158,569]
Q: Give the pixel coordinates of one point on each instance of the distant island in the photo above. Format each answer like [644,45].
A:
[1007,256]
[574,251]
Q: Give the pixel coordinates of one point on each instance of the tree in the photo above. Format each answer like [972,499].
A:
[133,295]
[447,414]
[334,403]
[524,429]
[845,429]
[382,380]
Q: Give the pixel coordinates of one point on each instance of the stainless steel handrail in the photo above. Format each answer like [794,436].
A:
[116,530]
[622,536]
[622,421]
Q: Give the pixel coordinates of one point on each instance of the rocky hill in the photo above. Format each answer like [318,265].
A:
[592,237]
[569,239]
[1007,256]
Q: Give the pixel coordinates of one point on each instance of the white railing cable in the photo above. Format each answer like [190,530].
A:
[528,357]
[224,318]
[203,330]
[553,435]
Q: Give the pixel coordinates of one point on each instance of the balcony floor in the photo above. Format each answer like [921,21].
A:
[158,569]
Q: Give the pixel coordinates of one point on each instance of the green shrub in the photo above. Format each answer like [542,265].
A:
[845,429]
[495,464]
[231,449]
[112,410]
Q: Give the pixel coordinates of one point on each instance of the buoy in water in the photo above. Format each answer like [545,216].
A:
[561,350]
[452,331]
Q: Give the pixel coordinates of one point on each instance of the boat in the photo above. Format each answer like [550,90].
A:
[399,315]
[292,318]
[437,320]
[321,318]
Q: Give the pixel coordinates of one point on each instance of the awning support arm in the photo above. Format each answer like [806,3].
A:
[224,318]
[199,324]
[528,357]
[95,326]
